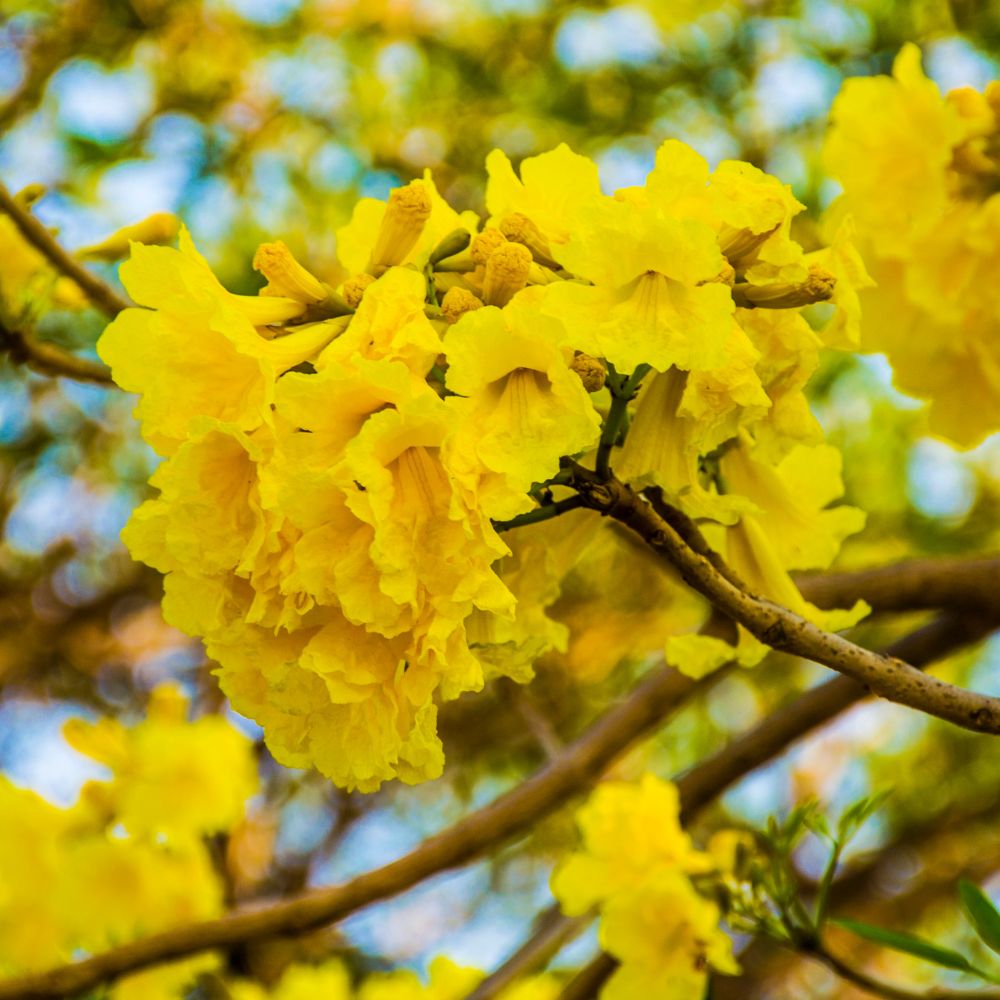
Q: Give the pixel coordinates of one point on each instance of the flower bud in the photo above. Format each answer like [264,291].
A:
[161,227]
[592,371]
[457,302]
[406,214]
[818,287]
[286,276]
[506,273]
[484,245]
[354,289]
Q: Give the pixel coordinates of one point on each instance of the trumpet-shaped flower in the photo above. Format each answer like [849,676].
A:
[519,406]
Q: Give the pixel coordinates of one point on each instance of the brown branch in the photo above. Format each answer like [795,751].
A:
[101,294]
[778,731]
[782,629]
[911,585]
[575,769]
[550,932]
[47,359]
[589,980]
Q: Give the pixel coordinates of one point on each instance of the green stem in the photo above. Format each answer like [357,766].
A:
[540,513]
[622,391]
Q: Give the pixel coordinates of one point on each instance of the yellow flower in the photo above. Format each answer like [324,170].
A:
[665,441]
[890,143]
[196,352]
[550,192]
[404,231]
[27,276]
[208,508]
[519,406]
[653,296]
[791,500]
[666,937]
[390,323]
[172,777]
[644,816]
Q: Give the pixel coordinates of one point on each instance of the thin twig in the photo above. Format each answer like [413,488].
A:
[47,359]
[550,932]
[101,294]
[543,513]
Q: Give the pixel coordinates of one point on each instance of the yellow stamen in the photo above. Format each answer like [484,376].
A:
[506,273]
[285,275]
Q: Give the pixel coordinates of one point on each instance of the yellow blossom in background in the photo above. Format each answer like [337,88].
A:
[172,776]
[665,935]
[918,171]
[644,816]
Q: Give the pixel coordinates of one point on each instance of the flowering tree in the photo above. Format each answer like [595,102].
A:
[516,501]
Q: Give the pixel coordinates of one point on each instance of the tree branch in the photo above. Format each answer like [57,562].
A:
[782,629]
[101,294]
[911,585]
[572,771]
[550,932]
[774,734]
[47,359]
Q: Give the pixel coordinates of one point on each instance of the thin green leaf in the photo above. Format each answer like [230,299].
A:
[909,944]
[855,815]
[982,913]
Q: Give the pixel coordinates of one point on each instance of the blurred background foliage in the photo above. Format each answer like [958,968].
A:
[262,119]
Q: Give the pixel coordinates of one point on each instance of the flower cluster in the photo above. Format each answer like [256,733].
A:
[653,920]
[341,461]
[921,179]
[129,858]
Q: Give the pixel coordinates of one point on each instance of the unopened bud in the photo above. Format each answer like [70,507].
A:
[161,227]
[506,273]
[354,289]
[485,244]
[28,195]
[407,212]
[592,371]
[457,302]
[818,287]
[741,246]
[267,310]
[727,276]
[518,228]
[455,242]
[286,276]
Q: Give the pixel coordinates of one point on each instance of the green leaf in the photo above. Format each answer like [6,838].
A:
[982,913]
[854,816]
[909,944]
